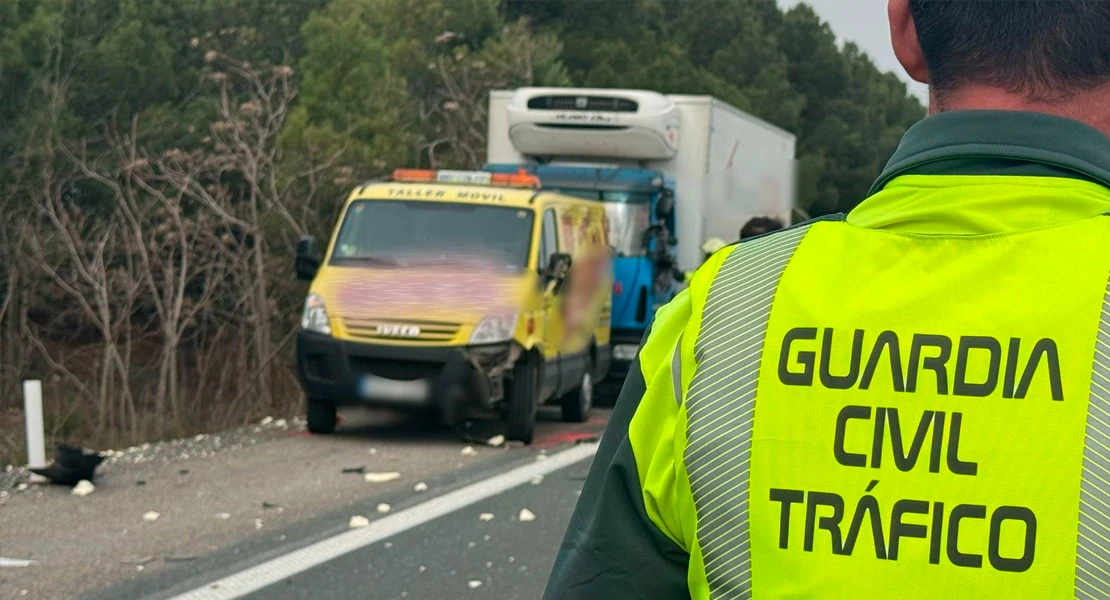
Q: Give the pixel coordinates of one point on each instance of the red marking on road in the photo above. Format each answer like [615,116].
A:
[566,437]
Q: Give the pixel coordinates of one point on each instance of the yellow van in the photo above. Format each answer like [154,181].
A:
[458,292]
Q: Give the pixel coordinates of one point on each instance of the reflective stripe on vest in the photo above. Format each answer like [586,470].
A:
[1092,560]
[721,401]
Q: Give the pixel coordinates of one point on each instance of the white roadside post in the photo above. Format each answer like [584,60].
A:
[32,412]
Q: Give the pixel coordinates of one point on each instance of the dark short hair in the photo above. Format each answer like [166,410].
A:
[759,226]
[1045,48]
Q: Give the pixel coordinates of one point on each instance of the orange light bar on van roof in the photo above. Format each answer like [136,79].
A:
[519,179]
[414,175]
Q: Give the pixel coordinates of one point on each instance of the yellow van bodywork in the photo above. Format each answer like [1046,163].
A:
[399,321]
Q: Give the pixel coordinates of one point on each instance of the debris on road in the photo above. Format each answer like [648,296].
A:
[197,438]
[538,479]
[183,472]
[151,515]
[422,568]
[83,488]
[474,584]
[258,523]
[266,421]
[272,505]
[373,451]
[357,522]
[383,508]
[281,424]
[420,487]
[497,440]
[485,517]
[468,451]
[381,477]
[15,562]
[140,482]
[70,465]
[222,516]
[541,457]
[526,515]
[359,469]
[182,557]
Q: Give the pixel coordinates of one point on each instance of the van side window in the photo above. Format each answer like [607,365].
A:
[549,243]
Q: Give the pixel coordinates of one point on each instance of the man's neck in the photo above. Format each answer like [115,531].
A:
[1091,107]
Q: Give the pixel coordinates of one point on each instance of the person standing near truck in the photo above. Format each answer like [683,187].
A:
[712,245]
[911,401]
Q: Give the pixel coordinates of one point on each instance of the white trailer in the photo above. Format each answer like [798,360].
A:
[727,165]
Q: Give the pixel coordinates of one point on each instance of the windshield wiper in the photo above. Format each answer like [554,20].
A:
[367,260]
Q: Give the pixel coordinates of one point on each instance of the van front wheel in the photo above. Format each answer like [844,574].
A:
[522,402]
[321,416]
[576,403]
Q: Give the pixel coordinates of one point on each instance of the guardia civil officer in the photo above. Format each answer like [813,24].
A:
[910,401]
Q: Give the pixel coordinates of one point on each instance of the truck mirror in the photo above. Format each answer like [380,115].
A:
[665,205]
[307,260]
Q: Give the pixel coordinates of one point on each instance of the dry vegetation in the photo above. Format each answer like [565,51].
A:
[167,306]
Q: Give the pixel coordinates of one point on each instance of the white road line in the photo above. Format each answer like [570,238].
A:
[274,570]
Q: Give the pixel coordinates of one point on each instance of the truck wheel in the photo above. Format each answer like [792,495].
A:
[522,402]
[321,416]
[577,402]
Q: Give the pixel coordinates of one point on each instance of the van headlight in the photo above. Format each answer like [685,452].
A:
[494,329]
[315,317]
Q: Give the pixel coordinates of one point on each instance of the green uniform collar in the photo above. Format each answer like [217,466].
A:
[990,172]
[988,142]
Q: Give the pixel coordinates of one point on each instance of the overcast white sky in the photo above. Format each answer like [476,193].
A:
[863,22]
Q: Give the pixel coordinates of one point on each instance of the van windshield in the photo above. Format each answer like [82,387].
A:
[405,233]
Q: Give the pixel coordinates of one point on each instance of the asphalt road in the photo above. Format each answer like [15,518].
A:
[225,510]
[455,556]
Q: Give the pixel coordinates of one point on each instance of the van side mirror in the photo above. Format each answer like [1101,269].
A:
[557,269]
[308,258]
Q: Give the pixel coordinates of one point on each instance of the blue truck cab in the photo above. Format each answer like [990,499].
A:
[639,206]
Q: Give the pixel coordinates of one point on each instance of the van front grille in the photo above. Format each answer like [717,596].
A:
[401,330]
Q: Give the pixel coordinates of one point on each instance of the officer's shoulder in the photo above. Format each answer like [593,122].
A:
[755,248]
[782,235]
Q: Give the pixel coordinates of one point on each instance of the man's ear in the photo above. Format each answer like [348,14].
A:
[903,36]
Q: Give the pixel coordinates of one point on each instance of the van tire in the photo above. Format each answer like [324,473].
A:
[576,403]
[321,416]
[522,401]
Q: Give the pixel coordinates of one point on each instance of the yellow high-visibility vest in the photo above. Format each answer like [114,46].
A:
[910,402]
